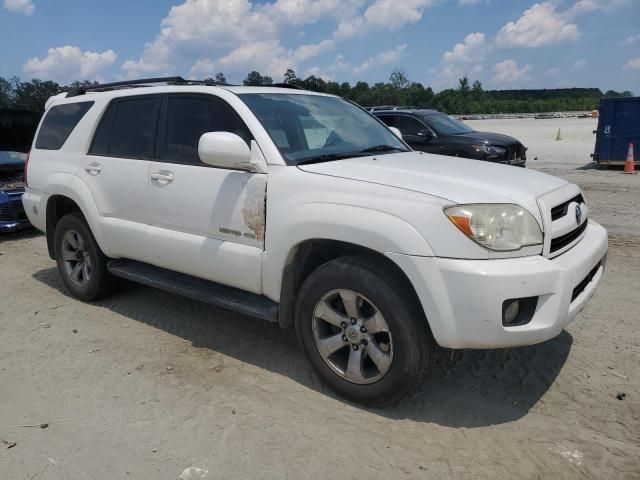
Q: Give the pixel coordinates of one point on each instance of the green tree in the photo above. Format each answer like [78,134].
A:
[220,78]
[34,94]
[254,78]
[290,76]
[399,80]
[463,85]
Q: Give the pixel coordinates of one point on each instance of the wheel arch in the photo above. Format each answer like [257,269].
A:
[308,255]
[69,194]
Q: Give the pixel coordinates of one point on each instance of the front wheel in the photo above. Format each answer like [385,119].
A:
[363,331]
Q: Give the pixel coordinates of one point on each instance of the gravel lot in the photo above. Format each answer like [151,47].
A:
[146,385]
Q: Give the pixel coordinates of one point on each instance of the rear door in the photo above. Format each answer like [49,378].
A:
[116,170]
[413,132]
[207,222]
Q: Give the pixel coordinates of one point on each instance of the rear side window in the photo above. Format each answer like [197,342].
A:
[387,119]
[188,117]
[128,128]
[59,123]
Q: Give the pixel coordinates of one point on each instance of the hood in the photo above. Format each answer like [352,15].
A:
[487,137]
[456,180]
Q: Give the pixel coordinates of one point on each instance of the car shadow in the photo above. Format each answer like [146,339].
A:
[25,233]
[465,388]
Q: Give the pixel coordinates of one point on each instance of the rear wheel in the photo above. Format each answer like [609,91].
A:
[362,330]
[81,263]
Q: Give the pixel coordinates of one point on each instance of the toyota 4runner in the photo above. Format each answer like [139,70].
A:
[304,209]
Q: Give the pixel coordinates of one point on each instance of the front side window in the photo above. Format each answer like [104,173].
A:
[408,125]
[313,128]
[445,125]
[58,124]
[188,117]
[128,128]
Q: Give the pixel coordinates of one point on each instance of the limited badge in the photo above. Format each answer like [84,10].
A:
[578,214]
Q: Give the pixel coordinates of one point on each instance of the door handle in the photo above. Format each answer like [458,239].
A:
[162,177]
[93,168]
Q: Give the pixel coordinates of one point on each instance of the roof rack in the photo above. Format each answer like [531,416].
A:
[286,85]
[74,92]
[394,107]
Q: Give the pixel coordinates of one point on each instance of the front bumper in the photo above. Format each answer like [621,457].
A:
[463,299]
[12,214]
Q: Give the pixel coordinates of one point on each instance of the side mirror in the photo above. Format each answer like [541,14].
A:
[396,132]
[225,150]
[425,134]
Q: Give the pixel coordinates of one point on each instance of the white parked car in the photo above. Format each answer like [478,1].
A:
[304,209]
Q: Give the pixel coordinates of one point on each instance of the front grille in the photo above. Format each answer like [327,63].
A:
[562,241]
[5,213]
[560,211]
[583,284]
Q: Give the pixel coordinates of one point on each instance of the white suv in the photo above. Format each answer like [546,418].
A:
[304,209]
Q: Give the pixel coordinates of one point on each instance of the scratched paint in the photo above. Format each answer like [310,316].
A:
[253,211]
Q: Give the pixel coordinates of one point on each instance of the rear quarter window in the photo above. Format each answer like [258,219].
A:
[58,124]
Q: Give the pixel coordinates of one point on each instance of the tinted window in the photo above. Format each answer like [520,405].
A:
[446,125]
[408,125]
[387,119]
[128,128]
[188,118]
[59,123]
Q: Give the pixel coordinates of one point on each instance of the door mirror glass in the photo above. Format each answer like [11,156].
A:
[396,132]
[224,150]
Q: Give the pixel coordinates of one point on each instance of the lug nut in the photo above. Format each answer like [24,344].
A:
[353,321]
[344,338]
[363,330]
[343,324]
[355,347]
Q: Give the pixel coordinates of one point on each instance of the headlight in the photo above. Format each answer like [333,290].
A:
[498,226]
[490,149]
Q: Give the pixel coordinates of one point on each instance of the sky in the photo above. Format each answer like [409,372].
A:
[503,43]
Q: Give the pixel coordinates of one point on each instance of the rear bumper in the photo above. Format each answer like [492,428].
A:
[463,299]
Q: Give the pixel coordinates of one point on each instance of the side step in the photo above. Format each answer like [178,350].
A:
[196,288]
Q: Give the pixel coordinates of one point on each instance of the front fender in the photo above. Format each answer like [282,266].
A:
[372,229]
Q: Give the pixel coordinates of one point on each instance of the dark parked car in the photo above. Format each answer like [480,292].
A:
[17,128]
[436,132]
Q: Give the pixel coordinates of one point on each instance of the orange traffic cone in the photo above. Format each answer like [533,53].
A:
[629,165]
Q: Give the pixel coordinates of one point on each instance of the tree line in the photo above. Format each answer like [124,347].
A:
[468,98]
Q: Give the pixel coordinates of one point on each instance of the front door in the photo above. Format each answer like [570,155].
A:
[207,222]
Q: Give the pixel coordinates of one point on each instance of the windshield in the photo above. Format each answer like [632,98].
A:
[445,125]
[309,128]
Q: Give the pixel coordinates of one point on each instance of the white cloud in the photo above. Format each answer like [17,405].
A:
[463,58]
[69,63]
[585,6]
[203,68]
[552,71]
[508,72]
[633,64]
[471,2]
[539,25]
[236,31]
[25,7]
[384,58]
[385,15]
[472,49]
[631,39]
[580,64]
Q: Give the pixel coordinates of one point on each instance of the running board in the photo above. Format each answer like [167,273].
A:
[230,298]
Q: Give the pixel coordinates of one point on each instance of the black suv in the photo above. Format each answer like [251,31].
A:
[436,132]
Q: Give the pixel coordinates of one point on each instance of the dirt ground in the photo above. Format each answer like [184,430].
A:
[148,385]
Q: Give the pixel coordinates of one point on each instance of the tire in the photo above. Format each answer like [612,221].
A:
[405,340]
[81,263]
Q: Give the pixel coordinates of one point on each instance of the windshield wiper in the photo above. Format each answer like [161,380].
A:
[328,157]
[382,148]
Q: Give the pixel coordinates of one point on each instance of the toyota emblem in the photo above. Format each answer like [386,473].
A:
[578,214]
